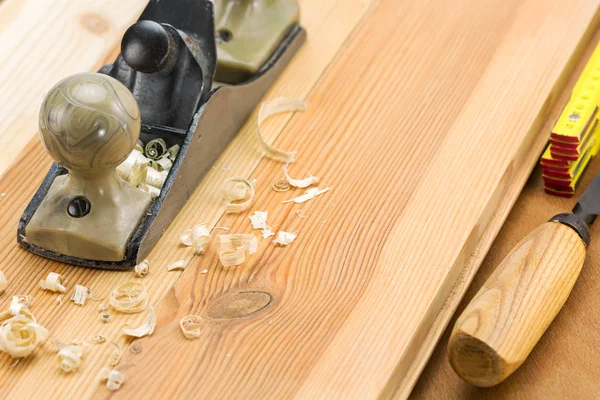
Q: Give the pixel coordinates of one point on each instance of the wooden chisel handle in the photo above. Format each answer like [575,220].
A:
[509,314]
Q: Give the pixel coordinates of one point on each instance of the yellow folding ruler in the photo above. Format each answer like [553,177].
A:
[575,138]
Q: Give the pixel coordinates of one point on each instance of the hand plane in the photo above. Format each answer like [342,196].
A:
[189,75]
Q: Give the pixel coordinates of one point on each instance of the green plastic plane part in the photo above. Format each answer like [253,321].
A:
[248,32]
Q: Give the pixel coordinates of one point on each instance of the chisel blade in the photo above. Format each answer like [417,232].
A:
[588,206]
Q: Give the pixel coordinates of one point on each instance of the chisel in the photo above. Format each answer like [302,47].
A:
[506,318]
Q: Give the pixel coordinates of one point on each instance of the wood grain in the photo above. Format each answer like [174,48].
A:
[419,131]
[513,309]
[42,42]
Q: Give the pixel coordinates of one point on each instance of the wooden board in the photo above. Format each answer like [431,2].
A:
[423,134]
[565,361]
[42,42]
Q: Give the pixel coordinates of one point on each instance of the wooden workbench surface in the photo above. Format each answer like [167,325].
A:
[404,97]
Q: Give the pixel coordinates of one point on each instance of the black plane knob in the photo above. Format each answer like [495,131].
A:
[146,46]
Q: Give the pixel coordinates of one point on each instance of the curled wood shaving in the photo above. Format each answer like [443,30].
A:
[102,307]
[115,356]
[155,148]
[99,339]
[129,297]
[81,294]
[310,194]
[232,248]
[19,303]
[267,110]
[105,317]
[176,265]
[138,174]
[190,326]
[162,164]
[173,151]
[124,169]
[197,237]
[53,283]
[244,240]
[232,257]
[146,328]
[300,183]
[236,189]
[20,335]
[259,220]
[114,379]
[151,190]
[281,185]
[142,269]
[155,178]
[3,282]
[69,356]
[267,232]
[59,300]
[284,238]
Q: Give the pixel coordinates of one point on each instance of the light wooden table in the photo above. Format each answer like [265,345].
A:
[305,342]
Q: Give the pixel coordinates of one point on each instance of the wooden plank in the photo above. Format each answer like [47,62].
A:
[564,362]
[424,350]
[384,128]
[308,351]
[332,22]
[42,42]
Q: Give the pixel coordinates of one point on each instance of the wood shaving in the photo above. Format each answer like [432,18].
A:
[236,189]
[300,183]
[245,240]
[3,282]
[173,151]
[310,194]
[162,164]
[20,335]
[269,109]
[204,271]
[301,214]
[284,238]
[259,220]
[69,356]
[53,283]
[151,190]
[281,185]
[99,339]
[176,265]
[196,237]
[155,149]
[232,257]
[19,303]
[129,297]
[190,326]
[267,232]
[147,328]
[155,178]
[115,356]
[114,379]
[232,248]
[142,269]
[59,300]
[124,169]
[105,317]
[81,294]
[139,146]
[102,307]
